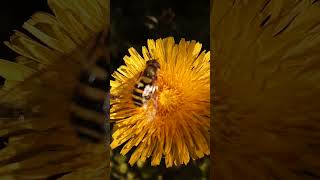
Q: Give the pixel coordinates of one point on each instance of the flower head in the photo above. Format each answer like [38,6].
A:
[175,122]
[40,83]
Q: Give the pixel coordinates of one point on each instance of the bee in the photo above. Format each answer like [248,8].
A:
[88,107]
[146,86]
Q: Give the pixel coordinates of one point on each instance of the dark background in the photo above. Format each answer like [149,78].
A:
[13,13]
[130,26]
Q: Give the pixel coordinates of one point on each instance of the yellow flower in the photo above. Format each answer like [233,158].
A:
[40,83]
[175,123]
[266,96]
[59,38]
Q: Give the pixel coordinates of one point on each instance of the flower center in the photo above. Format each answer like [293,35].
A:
[168,100]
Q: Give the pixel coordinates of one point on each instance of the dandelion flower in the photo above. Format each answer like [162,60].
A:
[267,98]
[40,142]
[175,123]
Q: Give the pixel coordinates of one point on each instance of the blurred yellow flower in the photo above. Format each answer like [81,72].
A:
[175,123]
[39,86]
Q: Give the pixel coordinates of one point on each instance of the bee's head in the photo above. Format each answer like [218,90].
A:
[154,63]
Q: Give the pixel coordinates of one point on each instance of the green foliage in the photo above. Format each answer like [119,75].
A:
[194,170]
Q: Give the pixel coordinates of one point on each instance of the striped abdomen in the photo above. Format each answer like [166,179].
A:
[88,113]
[141,92]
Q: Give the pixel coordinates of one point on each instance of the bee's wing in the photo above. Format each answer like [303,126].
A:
[148,95]
[149,91]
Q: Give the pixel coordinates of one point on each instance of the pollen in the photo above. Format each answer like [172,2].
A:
[168,100]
